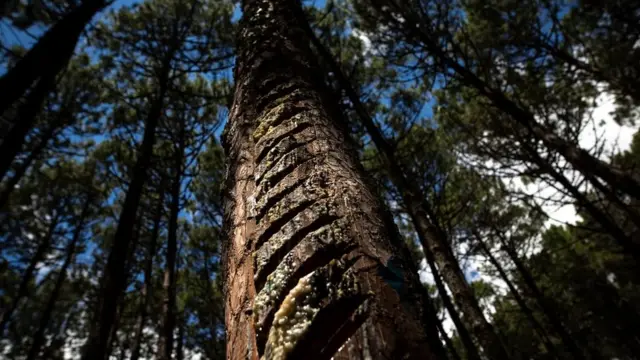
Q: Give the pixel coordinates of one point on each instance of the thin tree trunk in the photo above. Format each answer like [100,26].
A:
[579,158]
[147,294]
[548,310]
[23,288]
[13,142]
[114,277]
[528,312]
[451,349]
[462,293]
[180,345]
[24,166]
[616,201]
[62,275]
[435,246]
[470,347]
[49,55]
[129,277]
[297,203]
[165,346]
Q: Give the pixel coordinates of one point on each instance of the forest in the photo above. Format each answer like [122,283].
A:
[319,179]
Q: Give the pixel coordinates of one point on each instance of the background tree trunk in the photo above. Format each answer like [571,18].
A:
[62,275]
[26,116]
[165,346]
[49,55]
[23,288]
[147,294]
[114,277]
[523,305]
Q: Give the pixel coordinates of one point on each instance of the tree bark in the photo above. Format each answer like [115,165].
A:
[49,55]
[23,288]
[147,293]
[305,231]
[114,277]
[38,338]
[434,244]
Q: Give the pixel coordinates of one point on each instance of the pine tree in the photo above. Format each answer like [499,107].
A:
[303,184]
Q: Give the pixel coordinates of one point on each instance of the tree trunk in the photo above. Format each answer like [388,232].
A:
[579,158]
[13,141]
[434,244]
[180,342]
[147,293]
[548,310]
[528,312]
[24,166]
[49,55]
[165,345]
[23,288]
[62,275]
[114,277]
[121,301]
[305,232]
[451,349]
[113,333]
[470,347]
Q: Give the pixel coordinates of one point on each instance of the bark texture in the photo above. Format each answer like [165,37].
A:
[307,238]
